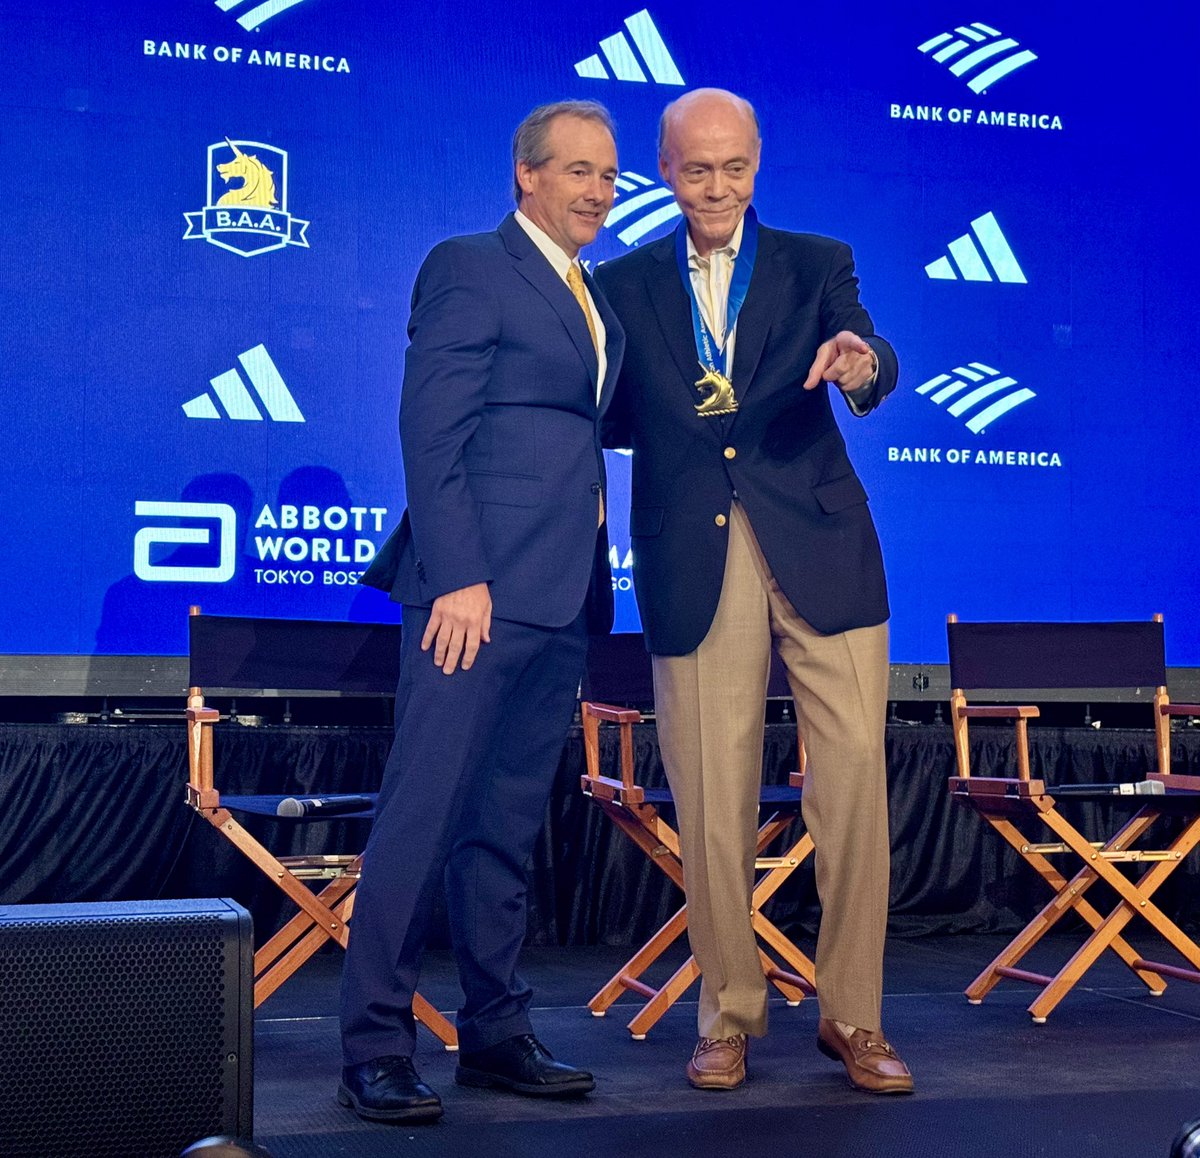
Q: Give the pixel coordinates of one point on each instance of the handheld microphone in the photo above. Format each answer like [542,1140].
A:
[300,806]
[1141,788]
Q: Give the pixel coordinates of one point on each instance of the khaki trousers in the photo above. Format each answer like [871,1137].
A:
[711,708]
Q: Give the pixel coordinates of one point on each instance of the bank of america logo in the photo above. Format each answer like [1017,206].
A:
[258,14]
[641,205]
[978,53]
[969,253]
[624,62]
[976,392]
[231,392]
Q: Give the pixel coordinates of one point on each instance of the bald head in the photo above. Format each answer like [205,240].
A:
[708,153]
[705,103]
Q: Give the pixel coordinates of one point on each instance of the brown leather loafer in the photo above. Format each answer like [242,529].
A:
[718,1063]
[871,1064]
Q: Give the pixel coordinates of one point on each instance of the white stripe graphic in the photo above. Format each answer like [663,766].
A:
[621,59]
[998,71]
[276,397]
[201,407]
[234,396]
[998,408]
[985,369]
[654,51]
[644,225]
[264,12]
[637,177]
[592,67]
[631,205]
[970,33]
[951,49]
[996,246]
[979,394]
[963,251]
[941,269]
[929,45]
[933,383]
[986,28]
[949,392]
[969,61]
[968,373]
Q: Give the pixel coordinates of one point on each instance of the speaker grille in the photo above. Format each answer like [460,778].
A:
[118,1036]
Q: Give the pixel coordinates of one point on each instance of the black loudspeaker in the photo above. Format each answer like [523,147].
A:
[126,1029]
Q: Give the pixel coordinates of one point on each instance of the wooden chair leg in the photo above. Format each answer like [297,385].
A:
[628,976]
[650,1013]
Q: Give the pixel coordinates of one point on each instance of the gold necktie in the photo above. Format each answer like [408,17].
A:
[575,284]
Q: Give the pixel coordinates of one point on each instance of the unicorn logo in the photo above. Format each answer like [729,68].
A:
[258,182]
[246,211]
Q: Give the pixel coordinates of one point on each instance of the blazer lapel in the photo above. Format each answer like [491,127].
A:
[535,269]
[757,313]
[614,341]
[673,310]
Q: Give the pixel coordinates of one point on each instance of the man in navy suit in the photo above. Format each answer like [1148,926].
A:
[501,564]
[750,531]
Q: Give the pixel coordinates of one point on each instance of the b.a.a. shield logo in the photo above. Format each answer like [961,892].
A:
[247,207]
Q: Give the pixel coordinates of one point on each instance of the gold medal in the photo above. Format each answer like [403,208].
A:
[717,394]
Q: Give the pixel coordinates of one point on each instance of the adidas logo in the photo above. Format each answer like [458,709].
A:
[981,383]
[969,261]
[621,59]
[257,16]
[982,44]
[645,207]
[231,392]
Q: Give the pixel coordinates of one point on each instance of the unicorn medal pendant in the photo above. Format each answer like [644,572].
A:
[717,393]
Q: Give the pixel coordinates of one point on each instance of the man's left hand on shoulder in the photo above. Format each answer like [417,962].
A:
[845,360]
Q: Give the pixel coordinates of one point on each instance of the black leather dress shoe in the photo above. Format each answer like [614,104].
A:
[522,1064]
[388,1089]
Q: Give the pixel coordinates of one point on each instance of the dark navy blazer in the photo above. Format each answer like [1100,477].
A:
[500,434]
[782,452]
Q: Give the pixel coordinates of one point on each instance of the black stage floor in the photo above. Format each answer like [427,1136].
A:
[1113,1072]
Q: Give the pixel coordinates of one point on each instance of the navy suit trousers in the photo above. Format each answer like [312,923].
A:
[463,800]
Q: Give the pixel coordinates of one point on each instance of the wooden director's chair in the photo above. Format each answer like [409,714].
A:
[1083,657]
[231,655]
[618,671]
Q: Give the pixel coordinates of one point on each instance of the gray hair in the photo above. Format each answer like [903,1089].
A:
[530,140]
[665,120]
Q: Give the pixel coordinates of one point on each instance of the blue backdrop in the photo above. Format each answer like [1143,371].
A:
[200,387]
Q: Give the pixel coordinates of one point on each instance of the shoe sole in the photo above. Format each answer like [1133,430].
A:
[481,1080]
[414,1114]
[719,1084]
[833,1055]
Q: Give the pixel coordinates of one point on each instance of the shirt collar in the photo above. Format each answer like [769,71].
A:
[550,249]
[731,250]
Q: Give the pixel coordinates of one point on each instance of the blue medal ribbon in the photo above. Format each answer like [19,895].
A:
[743,269]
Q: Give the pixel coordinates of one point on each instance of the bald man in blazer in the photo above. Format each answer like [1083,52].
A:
[750,531]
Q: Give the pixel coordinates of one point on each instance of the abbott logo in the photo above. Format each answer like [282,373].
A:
[622,60]
[219,572]
[231,391]
[980,383]
[969,260]
[259,14]
[981,44]
[642,212]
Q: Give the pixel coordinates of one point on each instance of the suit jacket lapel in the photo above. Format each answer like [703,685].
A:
[757,313]
[535,269]
[614,341]
[674,312]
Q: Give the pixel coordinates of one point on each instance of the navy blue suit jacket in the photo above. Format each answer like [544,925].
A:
[500,435]
[781,452]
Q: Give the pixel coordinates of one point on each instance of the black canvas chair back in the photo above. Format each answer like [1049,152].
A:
[232,653]
[1056,656]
